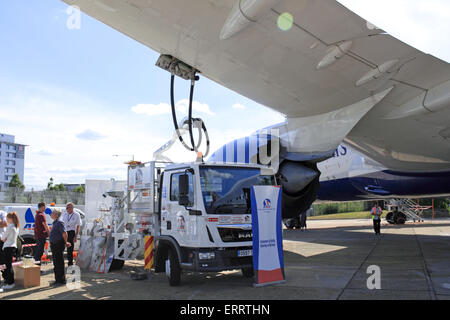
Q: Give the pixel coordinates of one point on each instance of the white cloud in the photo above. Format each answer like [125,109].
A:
[45,153]
[238,106]
[51,121]
[151,109]
[419,23]
[90,135]
[164,108]
[183,106]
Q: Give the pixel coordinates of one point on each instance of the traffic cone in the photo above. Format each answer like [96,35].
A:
[44,257]
[75,254]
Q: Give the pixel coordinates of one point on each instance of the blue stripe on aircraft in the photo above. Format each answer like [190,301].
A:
[247,150]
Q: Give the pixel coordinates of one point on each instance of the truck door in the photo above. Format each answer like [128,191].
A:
[183,222]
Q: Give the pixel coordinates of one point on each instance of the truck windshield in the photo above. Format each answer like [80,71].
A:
[227,190]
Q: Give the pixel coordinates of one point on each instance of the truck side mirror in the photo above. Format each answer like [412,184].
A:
[183,190]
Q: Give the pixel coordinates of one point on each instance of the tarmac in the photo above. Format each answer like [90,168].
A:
[329,261]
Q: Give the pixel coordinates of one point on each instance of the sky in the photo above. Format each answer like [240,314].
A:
[77,97]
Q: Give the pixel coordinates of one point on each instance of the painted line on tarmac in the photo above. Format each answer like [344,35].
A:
[362,263]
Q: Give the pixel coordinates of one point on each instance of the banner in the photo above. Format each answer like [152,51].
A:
[267,235]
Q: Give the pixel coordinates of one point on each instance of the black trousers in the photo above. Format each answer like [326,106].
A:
[377,226]
[70,237]
[2,258]
[8,274]
[39,249]
[58,260]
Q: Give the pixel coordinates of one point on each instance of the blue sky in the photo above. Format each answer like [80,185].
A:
[74,96]
[69,95]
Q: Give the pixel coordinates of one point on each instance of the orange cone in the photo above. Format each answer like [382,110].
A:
[44,258]
[75,254]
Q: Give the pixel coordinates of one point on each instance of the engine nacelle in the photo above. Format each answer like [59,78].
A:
[300,185]
[296,173]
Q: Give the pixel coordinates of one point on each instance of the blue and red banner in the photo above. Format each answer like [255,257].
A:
[267,235]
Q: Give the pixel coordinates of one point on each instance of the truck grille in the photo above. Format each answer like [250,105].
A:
[235,235]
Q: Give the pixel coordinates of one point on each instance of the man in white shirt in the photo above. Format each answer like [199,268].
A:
[72,222]
[3,225]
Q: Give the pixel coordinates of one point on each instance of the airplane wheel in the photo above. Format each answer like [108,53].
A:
[297,222]
[289,223]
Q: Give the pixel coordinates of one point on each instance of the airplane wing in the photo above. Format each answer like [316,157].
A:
[333,74]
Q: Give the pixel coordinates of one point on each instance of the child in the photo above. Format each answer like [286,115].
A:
[9,248]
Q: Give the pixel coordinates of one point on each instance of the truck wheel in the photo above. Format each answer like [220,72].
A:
[116,264]
[28,250]
[173,270]
[389,217]
[248,272]
[399,218]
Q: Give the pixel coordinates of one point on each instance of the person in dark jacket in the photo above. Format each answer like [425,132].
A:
[41,231]
[58,242]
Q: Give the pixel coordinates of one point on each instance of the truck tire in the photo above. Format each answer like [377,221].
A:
[248,272]
[173,270]
[399,218]
[116,264]
[28,250]
[389,218]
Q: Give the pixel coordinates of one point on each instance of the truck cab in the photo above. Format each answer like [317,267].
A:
[205,218]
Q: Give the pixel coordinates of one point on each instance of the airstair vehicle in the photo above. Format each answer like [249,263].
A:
[401,210]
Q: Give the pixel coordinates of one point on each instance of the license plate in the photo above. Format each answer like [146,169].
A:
[245,253]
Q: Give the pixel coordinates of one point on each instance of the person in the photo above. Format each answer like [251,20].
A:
[9,240]
[58,242]
[72,222]
[3,225]
[376,216]
[41,231]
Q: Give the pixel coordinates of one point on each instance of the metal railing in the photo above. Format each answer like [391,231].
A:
[16,195]
[411,209]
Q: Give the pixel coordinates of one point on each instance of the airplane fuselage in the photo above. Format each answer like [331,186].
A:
[349,175]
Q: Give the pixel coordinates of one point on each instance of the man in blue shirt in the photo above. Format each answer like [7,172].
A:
[58,242]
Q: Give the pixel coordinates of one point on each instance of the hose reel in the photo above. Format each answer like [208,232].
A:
[184,71]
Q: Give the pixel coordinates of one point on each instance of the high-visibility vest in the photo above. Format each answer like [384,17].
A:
[375,213]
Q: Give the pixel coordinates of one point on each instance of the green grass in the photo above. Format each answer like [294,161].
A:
[346,215]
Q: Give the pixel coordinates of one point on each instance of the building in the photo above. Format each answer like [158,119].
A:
[12,160]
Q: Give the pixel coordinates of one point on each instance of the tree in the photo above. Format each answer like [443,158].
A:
[55,187]
[79,189]
[50,185]
[60,187]
[15,182]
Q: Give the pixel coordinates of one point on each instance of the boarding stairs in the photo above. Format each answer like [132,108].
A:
[411,209]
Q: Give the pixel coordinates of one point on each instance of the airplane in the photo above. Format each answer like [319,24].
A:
[342,83]
[347,175]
